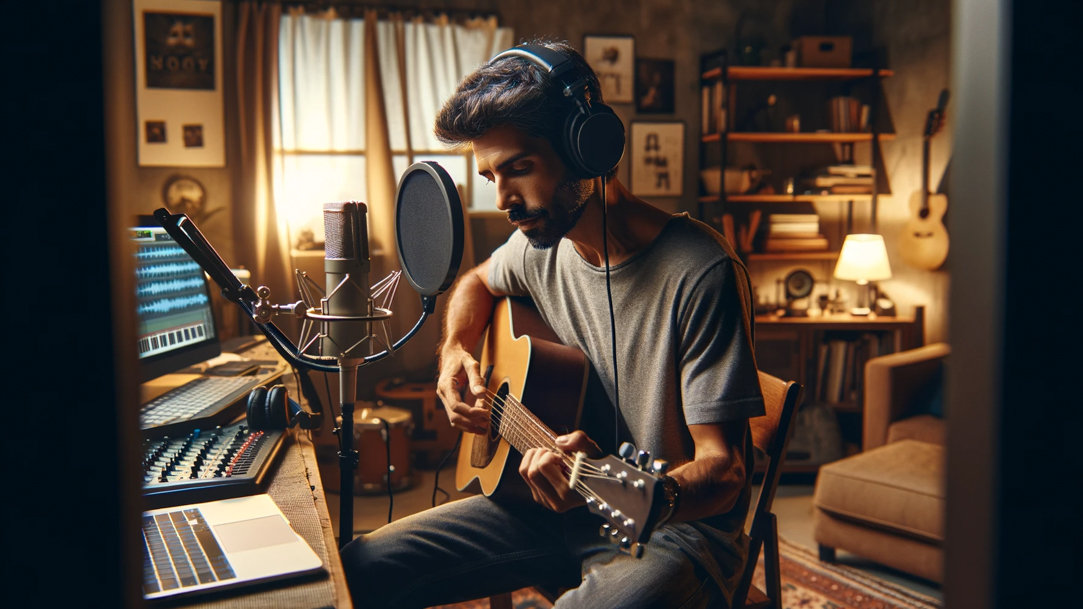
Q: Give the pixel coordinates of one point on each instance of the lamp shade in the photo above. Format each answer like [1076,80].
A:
[863,258]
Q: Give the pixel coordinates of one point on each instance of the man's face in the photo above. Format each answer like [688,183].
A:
[533,186]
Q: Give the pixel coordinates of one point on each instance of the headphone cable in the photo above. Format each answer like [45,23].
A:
[612,318]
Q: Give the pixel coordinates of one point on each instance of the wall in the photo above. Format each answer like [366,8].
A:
[911,38]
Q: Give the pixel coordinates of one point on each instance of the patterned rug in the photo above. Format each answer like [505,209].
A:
[806,584]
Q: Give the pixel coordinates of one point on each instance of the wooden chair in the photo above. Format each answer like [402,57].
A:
[771,435]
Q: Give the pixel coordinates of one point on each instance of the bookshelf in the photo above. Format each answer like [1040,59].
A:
[743,131]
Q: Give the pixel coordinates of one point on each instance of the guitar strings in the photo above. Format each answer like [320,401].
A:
[499,406]
[533,430]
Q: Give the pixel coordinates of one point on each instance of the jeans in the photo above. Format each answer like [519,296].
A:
[475,547]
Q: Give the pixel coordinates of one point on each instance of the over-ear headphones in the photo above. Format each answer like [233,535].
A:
[592,136]
[273,409]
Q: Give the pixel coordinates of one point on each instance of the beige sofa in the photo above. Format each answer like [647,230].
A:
[886,503]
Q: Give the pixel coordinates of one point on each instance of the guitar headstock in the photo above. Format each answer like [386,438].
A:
[934,122]
[625,491]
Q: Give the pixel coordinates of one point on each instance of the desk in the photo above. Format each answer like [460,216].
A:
[801,349]
[296,487]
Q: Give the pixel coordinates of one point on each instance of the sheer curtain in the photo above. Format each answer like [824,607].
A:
[357,101]
[260,236]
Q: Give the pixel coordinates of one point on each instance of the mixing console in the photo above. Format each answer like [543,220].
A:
[204,465]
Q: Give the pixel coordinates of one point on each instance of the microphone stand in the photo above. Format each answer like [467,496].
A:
[258,307]
[347,456]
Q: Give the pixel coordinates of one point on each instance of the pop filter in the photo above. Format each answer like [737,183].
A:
[429,228]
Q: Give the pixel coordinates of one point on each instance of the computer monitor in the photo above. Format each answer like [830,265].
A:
[173,305]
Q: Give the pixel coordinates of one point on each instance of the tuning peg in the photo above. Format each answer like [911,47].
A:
[643,459]
[603,531]
[627,451]
[660,467]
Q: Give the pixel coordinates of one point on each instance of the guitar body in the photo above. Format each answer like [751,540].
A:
[924,238]
[522,358]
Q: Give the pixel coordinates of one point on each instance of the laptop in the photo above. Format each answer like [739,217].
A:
[216,545]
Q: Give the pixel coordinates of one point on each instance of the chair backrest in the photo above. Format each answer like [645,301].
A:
[771,434]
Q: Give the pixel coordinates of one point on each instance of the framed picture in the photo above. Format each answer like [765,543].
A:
[657,158]
[178,74]
[654,85]
[613,60]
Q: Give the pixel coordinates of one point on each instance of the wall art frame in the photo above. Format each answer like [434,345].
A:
[613,59]
[178,76]
[657,158]
[654,85]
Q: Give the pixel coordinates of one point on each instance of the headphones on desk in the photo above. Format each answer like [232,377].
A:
[592,136]
[273,409]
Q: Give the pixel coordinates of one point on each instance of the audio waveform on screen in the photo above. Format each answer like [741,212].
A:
[169,305]
[151,271]
[154,288]
[152,252]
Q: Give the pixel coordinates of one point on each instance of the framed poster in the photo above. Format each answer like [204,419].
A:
[657,158]
[178,79]
[613,59]
[654,85]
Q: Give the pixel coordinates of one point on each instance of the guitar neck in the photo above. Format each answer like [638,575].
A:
[925,172]
[520,427]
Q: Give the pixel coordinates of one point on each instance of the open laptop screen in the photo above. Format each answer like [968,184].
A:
[173,306]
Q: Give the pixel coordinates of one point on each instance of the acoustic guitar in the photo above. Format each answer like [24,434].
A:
[924,238]
[525,364]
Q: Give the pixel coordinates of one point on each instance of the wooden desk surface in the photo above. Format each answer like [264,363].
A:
[841,321]
[297,489]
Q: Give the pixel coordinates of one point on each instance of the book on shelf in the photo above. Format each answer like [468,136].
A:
[850,170]
[834,370]
[794,229]
[712,108]
[787,218]
[848,189]
[840,367]
[796,244]
[830,180]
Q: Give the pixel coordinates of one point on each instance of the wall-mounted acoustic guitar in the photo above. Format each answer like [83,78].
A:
[924,238]
[523,363]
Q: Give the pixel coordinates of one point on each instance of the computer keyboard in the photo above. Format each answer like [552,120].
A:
[180,551]
[204,401]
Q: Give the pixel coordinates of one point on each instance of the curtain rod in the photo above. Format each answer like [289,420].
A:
[352,8]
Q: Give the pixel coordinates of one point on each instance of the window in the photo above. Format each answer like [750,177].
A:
[320,136]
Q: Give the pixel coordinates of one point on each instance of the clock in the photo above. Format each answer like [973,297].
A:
[798,284]
[184,194]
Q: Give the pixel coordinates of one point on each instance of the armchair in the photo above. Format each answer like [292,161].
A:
[886,503]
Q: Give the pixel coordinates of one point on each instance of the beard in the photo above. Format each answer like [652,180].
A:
[569,203]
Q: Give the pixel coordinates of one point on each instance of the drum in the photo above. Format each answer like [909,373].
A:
[433,435]
[378,432]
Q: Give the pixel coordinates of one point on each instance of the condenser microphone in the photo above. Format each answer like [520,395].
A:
[346,266]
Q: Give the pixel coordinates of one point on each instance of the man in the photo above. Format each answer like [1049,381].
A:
[684,377]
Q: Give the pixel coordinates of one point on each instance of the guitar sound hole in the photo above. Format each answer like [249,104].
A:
[481,453]
[496,413]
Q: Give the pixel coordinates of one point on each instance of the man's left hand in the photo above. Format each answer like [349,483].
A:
[546,471]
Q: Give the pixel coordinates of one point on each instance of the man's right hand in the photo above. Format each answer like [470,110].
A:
[462,390]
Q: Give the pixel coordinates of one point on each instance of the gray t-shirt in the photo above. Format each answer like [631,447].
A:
[684,341]
[684,336]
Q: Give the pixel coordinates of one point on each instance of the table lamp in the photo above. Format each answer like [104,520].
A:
[863,259]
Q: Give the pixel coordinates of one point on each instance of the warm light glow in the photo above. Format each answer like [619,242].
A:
[863,258]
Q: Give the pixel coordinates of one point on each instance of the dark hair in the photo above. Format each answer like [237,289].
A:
[513,91]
